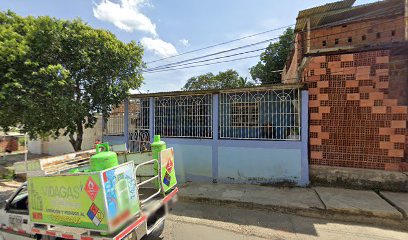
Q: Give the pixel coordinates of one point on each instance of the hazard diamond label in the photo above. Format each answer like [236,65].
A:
[95,215]
[91,188]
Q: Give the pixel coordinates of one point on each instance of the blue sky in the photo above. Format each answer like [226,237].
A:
[168,27]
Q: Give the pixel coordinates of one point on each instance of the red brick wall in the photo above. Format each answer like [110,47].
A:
[356,31]
[399,84]
[353,120]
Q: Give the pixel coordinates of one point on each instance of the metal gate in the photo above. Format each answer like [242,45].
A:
[139,135]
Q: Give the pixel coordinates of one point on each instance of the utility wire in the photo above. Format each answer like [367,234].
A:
[343,21]
[179,67]
[232,55]
[232,60]
[273,71]
[167,66]
[178,64]
[213,54]
[223,43]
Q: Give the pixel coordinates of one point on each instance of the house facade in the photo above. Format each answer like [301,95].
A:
[341,113]
[250,135]
[354,60]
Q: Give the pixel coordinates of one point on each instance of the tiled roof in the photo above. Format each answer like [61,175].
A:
[362,12]
[341,12]
[326,8]
[256,88]
[321,10]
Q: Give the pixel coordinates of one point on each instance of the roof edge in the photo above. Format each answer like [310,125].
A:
[201,92]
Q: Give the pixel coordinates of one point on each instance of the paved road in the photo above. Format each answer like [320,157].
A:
[196,221]
[199,221]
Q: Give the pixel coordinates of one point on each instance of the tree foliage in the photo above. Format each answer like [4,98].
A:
[227,79]
[57,74]
[273,59]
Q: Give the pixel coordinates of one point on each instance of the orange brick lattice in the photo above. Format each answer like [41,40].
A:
[353,122]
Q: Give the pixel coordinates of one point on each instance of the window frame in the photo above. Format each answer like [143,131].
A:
[196,120]
[10,208]
[278,116]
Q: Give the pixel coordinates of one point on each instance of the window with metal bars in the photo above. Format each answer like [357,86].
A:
[244,114]
[187,116]
[265,115]
[138,120]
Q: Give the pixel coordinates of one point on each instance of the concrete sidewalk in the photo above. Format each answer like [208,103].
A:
[385,208]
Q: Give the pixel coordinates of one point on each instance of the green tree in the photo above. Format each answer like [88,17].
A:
[273,59]
[227,79]
[57,74]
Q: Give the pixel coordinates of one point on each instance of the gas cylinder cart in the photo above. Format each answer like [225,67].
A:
[94,197]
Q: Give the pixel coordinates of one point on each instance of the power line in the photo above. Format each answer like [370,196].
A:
[213,54]
[273,71]
[232,60]
[245,46]
[185,64]
[176,64]
[343,21]
[223,43]
[178,67]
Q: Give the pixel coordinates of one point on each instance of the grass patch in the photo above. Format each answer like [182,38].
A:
[6,173]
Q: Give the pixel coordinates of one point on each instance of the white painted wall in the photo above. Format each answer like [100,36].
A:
[62,145]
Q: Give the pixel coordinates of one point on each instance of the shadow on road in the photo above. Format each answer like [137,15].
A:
[265,219]
[286,223]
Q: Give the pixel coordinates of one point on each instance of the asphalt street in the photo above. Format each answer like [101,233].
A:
[197,221]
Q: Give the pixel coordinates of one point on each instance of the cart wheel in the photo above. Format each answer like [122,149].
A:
[156,233]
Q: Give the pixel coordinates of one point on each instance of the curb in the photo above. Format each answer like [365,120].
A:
[347,216]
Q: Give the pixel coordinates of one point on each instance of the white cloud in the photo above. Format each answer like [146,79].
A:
[125,15]
[159,47]
[184,42]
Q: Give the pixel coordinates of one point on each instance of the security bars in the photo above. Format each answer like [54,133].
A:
[265,115]
[139,136]
[272,114]
[187,116]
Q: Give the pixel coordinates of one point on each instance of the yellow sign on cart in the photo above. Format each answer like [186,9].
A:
[101,201]
[75,201]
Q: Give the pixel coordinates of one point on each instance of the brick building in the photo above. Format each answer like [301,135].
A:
[354,60]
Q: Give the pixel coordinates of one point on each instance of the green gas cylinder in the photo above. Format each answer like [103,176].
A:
[157,147]
[103,159]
